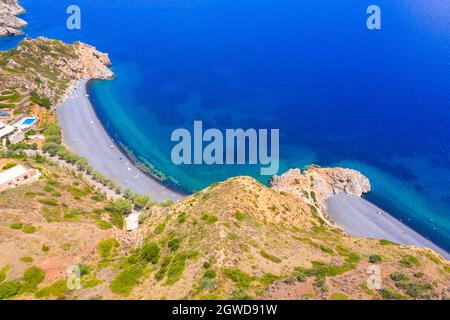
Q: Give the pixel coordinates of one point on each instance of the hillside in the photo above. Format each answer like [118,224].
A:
[40,71]
[234,240]
[50,225]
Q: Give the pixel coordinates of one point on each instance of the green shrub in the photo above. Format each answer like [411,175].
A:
[338,296]
[182,217]
[322,270]
[116,218]
[351,257]
[239,215]
[126,280]
[208,280]
[399,276]
[78,193]
[240,294]
[160,228]
[26,259]
[391,294]
[326,249]
[29,229]
[384,242]
[150,252]
[30,195]
[269,256]
[408,261]
[233,236]
[2,275]
[104,225]
[208,218]
[57,289]
[242,279]
[174,244]
[268,278]
[163,269]
[16,226]
[9,289]
[91,283]
[65,246]
[9,165]
[416,289]
[120,205]
[375,258]
[106,246]
[48,202]
[176,268]
[32,277]
[84,269]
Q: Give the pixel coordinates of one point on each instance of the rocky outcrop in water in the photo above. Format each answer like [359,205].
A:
[10,24]
[316,185]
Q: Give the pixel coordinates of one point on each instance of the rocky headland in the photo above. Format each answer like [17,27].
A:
[315,185]
[42,70]
[10,24]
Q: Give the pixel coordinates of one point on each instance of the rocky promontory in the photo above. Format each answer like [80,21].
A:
[10,24]
[316,185]
[43,69]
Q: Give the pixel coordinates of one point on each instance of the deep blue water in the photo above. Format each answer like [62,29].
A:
[376,101]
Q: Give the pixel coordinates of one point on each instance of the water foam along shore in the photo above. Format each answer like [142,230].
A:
[85,135]
[358,217]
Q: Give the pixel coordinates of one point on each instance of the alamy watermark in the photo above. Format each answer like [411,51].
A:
[374,278]
[374,20]
[73,277]
[234,146]
[73,22]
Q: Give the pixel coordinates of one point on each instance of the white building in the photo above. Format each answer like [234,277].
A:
[17,176]
[5,131]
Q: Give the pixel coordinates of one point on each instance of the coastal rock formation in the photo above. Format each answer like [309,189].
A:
[42,70]
[10,24]
[316,185]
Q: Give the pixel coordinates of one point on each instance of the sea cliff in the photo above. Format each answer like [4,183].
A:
[10,24]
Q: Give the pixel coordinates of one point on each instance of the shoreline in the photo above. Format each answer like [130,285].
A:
[361,218]
[84,133]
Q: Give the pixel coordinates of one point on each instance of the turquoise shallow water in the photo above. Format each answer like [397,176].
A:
[376,101]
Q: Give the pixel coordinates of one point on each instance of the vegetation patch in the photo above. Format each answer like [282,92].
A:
[9,289]
[126,280]
[390,294]
[182,217]
[48,202]
[176,268]
[242,279]
[32,277]
[338,296]
[269,256]
[208,218]
[26,259]
[268,278]
[106,247]
[240,294]
[239,215]
[57,289]
[408,261]
[174,244]
[150,252]
[375,258]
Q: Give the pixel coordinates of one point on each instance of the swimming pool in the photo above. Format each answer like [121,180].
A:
[27,122]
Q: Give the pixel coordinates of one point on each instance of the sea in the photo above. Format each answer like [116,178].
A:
[377,101]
